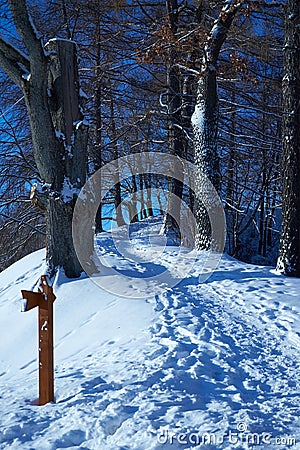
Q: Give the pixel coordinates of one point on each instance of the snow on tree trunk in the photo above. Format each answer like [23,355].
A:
[205,121]
[205,126]
[289,256]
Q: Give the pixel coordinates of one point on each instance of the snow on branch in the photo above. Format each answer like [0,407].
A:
[219,32]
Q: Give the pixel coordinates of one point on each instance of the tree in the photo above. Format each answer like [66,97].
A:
[140,65]
[249,134]
[289,256]
[206,116]
[179,101]
[59,133]
[176,137]
[22,227]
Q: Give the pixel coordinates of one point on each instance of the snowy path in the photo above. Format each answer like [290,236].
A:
[209,367]
[214,362]
[235,369]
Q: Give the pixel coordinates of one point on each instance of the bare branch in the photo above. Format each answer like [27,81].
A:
[14,219]
[13,70]
[26,28]
[14,54]
[220,30]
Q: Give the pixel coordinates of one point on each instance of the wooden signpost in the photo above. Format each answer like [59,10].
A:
[44,300]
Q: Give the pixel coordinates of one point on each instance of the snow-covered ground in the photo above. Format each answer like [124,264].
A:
[208,366]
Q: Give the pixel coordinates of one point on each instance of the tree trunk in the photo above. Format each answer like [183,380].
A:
[60,250]
[289,256]
[117,189]
[50,84]
[97,145]
[205,122]
[143,208]
[147,181]
[176,136]
[70,165]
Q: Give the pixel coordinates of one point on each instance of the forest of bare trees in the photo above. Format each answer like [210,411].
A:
[146,70]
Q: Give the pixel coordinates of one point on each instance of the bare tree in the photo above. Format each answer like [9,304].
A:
[59,133]
[206,116]
[289,257]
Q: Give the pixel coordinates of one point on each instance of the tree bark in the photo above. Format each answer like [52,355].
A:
[117,189]
[59,133]
[71,131]
[97,145]
[176,135]
[289,256]
[205,121]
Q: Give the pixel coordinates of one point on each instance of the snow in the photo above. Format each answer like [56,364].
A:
[68,191]
[201,365]
[26,76]
[198,117]
[60,135]
[79,123]
[62,40]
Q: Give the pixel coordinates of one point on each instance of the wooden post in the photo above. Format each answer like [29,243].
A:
[44,299]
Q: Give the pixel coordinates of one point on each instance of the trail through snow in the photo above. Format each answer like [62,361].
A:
[206,366]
